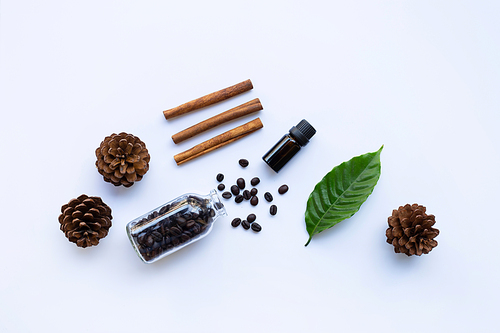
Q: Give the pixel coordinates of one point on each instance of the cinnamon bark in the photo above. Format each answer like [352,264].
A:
[209,99]
[241,110]
[219,141]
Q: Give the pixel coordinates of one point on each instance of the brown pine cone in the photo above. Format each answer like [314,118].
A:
[85,220]
[410,230]
[122,159]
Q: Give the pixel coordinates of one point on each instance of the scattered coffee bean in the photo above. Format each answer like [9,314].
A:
[226,195]
[268,196]
[220,177]
[245,224]
[238,198]
[243,162]
[283,189]
[253,192]
[254,201]
[256,227]
[273,209]
[251,217]
[235,190]
[246,195]
[255,181]
[236,222]
[241,183]
[221,187]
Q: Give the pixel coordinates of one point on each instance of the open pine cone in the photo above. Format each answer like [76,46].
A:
[122,159]
[410,230]
[85,220]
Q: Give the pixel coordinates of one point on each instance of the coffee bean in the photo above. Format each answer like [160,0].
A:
[246,195]
[241,183]
[251,217]
[254,201]
[220,177]
[253,192]
[236,222]
[226,195]
[149,241]
[175,231]
[245,224]
[156,236]
[238,198]
[273,209]
[256,227]
[268,196]
[235,190]
[243,162]
[190,224]
[255,181]
[221,187]
[283,189]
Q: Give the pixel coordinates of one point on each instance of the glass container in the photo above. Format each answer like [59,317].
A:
[174,225]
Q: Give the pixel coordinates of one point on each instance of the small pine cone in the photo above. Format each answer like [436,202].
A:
[410,230]
[122,159]
[85,220]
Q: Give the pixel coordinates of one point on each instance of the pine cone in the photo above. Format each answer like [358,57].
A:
[410,230]
[85,220]
[122,159]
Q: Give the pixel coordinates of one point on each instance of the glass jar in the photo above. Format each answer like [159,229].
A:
[174,225]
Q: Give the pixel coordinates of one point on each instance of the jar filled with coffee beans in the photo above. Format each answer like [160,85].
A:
[174,225]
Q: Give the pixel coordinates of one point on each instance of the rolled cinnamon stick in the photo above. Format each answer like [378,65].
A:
[219,141]
[234,113]
[209,99]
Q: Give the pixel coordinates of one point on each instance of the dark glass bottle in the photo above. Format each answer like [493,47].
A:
[289,145]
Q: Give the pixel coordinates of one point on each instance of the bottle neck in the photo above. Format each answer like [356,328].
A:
[217,204]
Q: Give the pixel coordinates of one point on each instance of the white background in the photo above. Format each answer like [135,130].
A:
[420,77]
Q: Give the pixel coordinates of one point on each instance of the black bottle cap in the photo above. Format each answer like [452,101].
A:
[303,132]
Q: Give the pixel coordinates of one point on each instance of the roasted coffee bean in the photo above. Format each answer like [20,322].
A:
[181,222]
[221,187]
[273,209]
[220,177]
[255,181]
[185,237]
[236,222]
[241,183]
[149,241]
[157,236]
[245,224]
[283,189]
[164,209]
[254,201]
[246,195]
[243,162]
[268,196]
[226,195]
[175,241]
[235,190]
[238,198]
[253,192]
[251,217]
[211,212]
[190,224]
[175,231]
[256,227]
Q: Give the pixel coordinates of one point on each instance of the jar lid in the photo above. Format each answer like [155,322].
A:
[303,132]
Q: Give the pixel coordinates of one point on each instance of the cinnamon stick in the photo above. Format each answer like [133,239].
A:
[234,113]
[209,99]
[219,141]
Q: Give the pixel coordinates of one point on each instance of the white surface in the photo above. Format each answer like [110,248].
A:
[420,77]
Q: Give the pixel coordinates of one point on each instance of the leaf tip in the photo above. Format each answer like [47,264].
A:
[308,241]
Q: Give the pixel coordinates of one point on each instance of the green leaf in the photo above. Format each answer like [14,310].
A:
[342,191]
